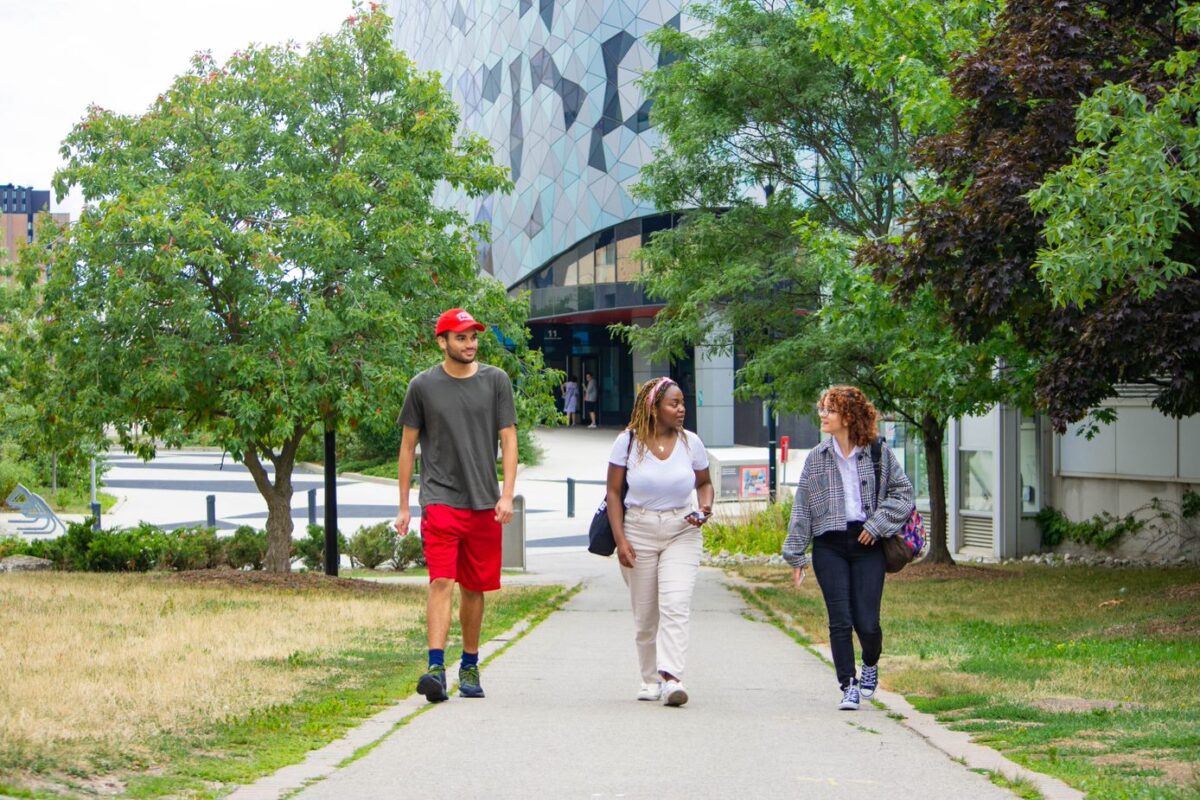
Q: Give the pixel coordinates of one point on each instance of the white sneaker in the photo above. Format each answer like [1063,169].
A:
[650,691]
[674,694]
[850,697]
[592,425]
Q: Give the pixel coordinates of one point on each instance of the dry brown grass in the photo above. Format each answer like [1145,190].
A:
[120,657]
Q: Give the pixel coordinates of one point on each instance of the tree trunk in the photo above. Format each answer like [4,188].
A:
[279,506]
[933,432]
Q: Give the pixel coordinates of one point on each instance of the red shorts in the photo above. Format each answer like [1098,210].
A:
[462,544]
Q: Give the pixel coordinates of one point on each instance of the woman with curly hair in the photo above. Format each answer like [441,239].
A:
[840,510]
[657,531]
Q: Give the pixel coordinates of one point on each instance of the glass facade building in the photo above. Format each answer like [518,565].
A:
[553,86]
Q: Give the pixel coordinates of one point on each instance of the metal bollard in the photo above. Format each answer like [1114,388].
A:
[312,506]
[570,497]
[211,502]
[96,517]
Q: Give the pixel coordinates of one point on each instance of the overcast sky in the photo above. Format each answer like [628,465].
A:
[61,55]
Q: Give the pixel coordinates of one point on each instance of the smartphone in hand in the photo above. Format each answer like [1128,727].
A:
[697,517]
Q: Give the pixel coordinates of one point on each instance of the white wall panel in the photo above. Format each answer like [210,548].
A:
[1089,456]
[978,433]
[1147,443]
[1189,448]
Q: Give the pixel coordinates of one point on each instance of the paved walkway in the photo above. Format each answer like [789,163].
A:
[560,720]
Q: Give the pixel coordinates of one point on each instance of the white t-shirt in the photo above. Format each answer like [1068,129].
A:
[660,484]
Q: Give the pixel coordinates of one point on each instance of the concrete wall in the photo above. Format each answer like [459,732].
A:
[1141,457]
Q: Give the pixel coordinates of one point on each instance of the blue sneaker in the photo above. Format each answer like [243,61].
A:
[468,681]
[850,697]
[433,684]
[869,680]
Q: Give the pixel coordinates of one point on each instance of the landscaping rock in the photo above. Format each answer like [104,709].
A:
[25,564]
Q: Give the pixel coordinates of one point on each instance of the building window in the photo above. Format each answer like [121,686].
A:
[977,480]
[1031,473]
[628,267]
[911,452]
[606,263]
[585,268]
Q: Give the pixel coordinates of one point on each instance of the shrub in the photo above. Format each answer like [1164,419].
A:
[190,548]
[246,548]
[12,546]
[372,545]
[12,473]
[528,451]
[72,547]
[54,550]
[751,533]
[407,551]
[1102,531]
[311,548]
[136,549]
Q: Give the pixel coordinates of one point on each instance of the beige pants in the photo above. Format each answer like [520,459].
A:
[660,583]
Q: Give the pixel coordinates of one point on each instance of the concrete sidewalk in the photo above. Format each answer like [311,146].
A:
[560,720]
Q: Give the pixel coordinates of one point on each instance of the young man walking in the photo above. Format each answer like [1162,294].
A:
[457,410]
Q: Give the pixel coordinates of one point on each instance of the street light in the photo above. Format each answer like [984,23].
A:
[331,544]
[768,190]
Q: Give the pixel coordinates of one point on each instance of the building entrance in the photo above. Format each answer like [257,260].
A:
[578,349]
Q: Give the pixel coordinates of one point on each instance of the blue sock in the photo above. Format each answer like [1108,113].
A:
[470,659]
[437,658]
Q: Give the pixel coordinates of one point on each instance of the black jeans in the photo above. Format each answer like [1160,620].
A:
[851,579]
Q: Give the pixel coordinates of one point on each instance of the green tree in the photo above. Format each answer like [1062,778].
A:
[261,255]
[1103,288]
[762,99]
[1123,209]
[902,49]
[47,424]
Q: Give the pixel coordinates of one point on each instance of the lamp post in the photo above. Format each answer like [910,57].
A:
[331,543]
[768,190]
[771,461]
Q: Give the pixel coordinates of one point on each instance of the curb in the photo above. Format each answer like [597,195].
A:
[955,744]
[323,762]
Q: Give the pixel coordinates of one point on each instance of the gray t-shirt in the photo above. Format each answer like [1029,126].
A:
[459,420]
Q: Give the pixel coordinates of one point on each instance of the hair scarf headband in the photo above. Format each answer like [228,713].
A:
[653,396]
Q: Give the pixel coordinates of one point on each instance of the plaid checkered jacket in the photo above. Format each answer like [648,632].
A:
[820,504]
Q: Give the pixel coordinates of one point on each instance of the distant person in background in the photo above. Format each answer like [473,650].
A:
[657,531]
[591,397]
[570,394]
[844,514]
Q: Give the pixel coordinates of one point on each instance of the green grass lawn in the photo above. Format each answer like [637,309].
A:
[1086,674]
[204,753]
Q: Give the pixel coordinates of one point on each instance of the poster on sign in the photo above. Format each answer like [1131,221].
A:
[753,482]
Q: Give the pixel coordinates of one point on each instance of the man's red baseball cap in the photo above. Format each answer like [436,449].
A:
[456,321]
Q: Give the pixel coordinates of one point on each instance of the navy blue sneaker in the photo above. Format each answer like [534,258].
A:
[869,680]
[468,681]
[850,697]
[433,684]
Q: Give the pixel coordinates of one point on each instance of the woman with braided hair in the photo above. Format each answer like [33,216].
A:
[657,530]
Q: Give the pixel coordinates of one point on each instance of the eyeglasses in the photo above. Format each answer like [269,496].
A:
[823,412]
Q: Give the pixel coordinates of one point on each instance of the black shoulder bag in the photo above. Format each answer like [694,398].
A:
[600,535]
[896,551]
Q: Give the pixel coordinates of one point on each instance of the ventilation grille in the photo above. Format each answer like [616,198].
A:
[977,532]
